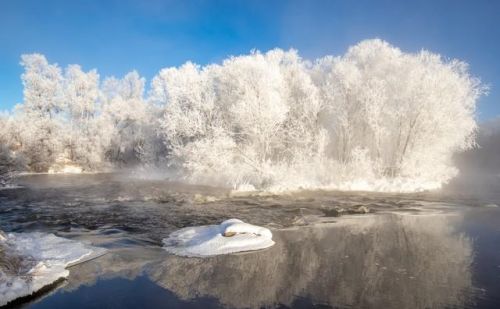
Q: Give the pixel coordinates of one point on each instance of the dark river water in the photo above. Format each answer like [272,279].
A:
[333,249]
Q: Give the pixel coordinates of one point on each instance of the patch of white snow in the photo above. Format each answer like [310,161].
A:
[230,236]
[40,260]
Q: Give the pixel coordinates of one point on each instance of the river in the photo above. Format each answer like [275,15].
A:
[333,249]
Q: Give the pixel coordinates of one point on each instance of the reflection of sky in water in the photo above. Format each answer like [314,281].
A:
[415,259]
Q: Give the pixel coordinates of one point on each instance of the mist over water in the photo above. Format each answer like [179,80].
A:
[479,168]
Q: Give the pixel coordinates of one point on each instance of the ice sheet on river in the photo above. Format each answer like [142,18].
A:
[31,261]
[230,236]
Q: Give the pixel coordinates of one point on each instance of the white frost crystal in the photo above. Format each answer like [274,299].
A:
[31,261]
[230,236]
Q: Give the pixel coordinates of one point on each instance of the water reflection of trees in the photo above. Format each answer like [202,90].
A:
[381,261]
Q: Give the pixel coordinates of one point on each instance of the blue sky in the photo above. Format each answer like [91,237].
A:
[118,36]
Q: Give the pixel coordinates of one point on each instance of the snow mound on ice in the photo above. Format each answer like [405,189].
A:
[31,261]
[209,240]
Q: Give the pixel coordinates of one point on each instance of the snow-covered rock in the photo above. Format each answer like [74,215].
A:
[230,236]
[31,261]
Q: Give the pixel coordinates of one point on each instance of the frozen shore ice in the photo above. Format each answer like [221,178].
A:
[31,261]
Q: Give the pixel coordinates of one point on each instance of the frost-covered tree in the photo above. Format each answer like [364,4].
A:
[375,118]
[42,86]
[81,97]
[185,97]
[81,93]
[237,106]
[127,122]
[71,119]
[10,160]
[410,112]
[40,110]
[57,117]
